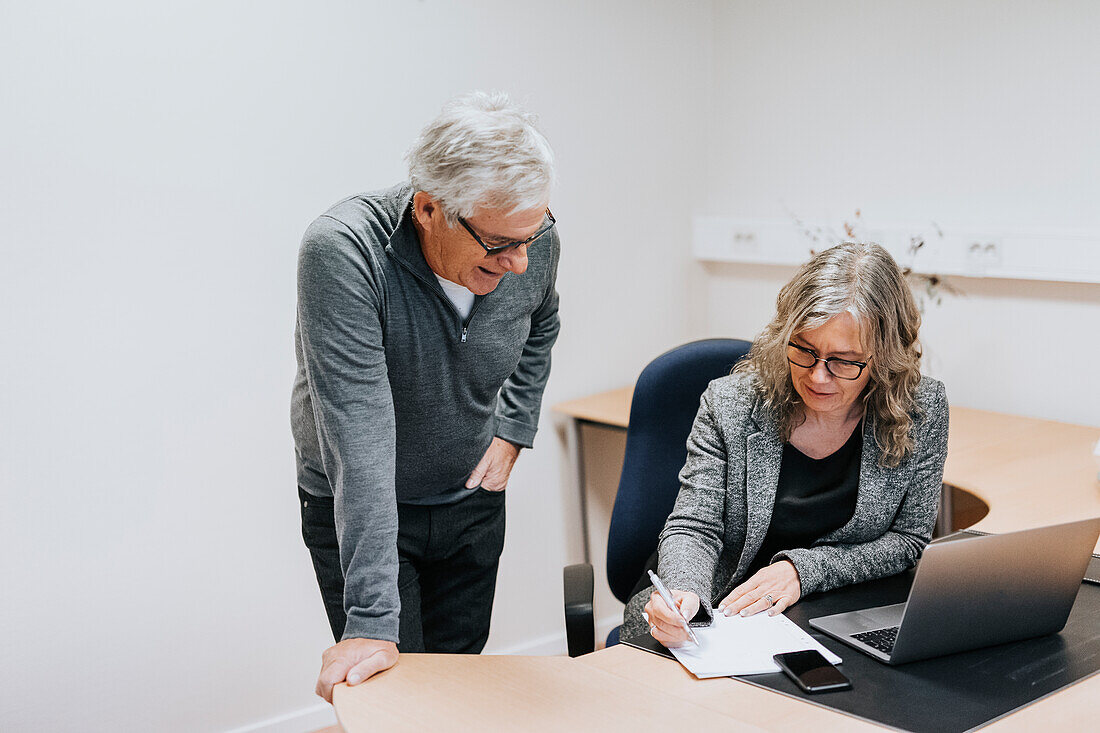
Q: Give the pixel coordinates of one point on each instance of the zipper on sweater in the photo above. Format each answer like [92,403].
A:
[435,288]
[466,325]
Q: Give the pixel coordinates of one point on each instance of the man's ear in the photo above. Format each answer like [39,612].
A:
[425,210]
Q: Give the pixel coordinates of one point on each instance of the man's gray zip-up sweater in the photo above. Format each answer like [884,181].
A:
[397,398]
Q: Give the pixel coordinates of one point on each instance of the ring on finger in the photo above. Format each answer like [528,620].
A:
[769,599]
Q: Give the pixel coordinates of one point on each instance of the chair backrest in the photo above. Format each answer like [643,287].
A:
[665,402]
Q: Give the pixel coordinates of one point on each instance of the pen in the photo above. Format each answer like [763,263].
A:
[667,598]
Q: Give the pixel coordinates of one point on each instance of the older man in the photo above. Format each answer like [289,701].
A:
[426,314]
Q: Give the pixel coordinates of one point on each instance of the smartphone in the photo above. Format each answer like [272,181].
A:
[812,672]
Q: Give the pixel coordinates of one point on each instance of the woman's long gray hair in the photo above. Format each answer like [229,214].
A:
[864,280]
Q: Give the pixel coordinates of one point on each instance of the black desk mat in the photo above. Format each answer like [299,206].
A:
[959,692]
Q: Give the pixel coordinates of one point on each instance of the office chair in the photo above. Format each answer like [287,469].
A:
[666,399]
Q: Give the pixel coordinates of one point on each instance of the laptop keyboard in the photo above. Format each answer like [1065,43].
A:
[881,639]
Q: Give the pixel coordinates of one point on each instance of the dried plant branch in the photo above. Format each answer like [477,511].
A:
[927,287]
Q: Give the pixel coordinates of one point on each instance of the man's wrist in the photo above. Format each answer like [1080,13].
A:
[372,629]
[515,446]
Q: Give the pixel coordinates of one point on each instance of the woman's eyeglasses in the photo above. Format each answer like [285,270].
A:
[839,368]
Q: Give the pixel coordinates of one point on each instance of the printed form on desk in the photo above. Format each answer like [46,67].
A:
[735,645]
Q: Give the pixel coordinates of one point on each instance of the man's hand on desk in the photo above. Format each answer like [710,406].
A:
[495,466]
[778,580]
[664,625]
[353,660]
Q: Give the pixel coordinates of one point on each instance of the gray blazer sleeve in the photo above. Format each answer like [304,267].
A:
[691,541]
[829,566]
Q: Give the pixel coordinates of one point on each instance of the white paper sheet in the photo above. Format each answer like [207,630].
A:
[734,645]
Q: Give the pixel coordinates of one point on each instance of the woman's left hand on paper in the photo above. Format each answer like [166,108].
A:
[773,589]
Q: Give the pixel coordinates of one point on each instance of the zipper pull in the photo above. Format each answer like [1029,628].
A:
[465,329]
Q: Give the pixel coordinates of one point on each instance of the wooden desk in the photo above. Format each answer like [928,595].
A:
[1071,709]
[732,698]
[485,694]
[617,689]
[607,408]
[1029,472]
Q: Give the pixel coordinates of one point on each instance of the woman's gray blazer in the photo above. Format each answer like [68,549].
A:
[727,491]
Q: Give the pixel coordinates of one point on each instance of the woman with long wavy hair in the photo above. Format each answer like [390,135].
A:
[817,463]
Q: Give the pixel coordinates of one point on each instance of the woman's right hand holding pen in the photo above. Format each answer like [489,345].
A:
[664,625]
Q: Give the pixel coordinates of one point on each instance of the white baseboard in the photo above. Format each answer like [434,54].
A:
[555,644]
[305,720]
[548,645]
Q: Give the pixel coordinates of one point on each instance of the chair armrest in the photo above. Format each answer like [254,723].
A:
[580,624]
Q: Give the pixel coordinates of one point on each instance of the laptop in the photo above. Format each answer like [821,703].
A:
[976,592]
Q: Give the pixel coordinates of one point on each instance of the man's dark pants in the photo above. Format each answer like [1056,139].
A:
[448,557]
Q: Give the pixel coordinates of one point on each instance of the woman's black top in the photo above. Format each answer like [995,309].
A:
[814,497]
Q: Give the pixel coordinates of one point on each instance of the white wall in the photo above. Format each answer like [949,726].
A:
[977,114]
[160,164]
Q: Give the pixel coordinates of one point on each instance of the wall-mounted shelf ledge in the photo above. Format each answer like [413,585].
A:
[1057,256]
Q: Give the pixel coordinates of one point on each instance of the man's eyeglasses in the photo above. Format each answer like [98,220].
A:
[839,368]
[547,224]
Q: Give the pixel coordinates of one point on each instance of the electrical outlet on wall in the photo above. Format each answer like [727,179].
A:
[745,242]
[983,256]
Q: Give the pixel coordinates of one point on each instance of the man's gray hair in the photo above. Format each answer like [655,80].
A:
[482,151]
